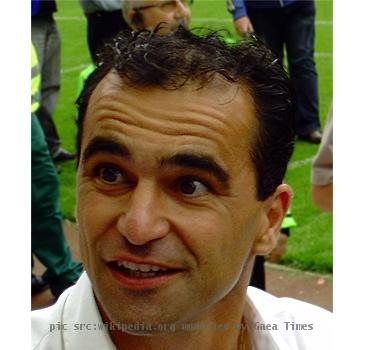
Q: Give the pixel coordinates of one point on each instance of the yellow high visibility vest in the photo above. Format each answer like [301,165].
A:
[36,80]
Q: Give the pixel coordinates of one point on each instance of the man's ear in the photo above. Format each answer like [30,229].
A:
[276,207]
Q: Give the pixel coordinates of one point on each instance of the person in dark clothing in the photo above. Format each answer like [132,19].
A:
[289,24]
[46,39]
[104,20]
[48,240]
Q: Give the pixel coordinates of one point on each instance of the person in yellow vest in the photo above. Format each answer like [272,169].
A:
[36,80]
[46,39]
[48,240]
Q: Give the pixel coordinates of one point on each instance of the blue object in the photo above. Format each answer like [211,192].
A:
[240,6]
[35,7]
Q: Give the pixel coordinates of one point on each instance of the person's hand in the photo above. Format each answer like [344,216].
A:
[243,26]
[279,250]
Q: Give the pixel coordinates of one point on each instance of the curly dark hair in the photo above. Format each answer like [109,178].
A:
[146,59]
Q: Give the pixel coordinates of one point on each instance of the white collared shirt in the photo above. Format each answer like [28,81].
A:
[74,322]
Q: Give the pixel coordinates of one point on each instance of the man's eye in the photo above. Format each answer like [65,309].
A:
[109,174]
[192,187]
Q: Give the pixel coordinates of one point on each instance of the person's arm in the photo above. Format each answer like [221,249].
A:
[322,196]
[241,20]
[322,171]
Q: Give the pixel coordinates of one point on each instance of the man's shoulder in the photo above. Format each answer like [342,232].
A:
[44,322]
[74,320]
[48,325]
[290,323]
[269,304]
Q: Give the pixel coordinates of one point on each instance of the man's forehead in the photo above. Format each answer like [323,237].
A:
[218,121]
[219,91]
[218,104]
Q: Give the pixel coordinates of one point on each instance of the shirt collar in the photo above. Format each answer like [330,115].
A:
[82,317]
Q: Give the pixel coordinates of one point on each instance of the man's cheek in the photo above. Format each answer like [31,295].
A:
[87,216]
[98,215]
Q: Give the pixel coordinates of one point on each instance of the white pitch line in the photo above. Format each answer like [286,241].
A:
[196,19]
[324,22]
[323,54]
[74,69]
[69,18]
[299,163]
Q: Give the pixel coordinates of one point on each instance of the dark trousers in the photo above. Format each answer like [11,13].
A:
[50,131]
[292,27]
[48,240]
[101,27]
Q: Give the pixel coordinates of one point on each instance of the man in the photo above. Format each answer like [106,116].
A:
[183,144]
[169,14]
[143,14]
[46,39]
[288,23]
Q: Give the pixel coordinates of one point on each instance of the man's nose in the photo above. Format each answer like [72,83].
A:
[143,220]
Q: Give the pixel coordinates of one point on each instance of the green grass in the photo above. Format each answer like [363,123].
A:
[310,244]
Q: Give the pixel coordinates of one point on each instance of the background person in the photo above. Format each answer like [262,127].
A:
[288,24]
[144,14]
[48,240]
[46,39]
[141,14]
[322,169]
[104,20]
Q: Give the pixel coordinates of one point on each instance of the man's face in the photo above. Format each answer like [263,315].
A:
[166,199]
[171,13]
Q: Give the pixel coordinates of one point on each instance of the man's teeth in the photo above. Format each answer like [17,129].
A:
[140,267]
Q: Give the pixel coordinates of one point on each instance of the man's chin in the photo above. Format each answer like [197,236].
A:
[141,325]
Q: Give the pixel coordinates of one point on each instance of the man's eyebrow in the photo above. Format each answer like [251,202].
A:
[100,144]
[201,162]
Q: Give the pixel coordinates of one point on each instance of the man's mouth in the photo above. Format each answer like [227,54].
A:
[134,270]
